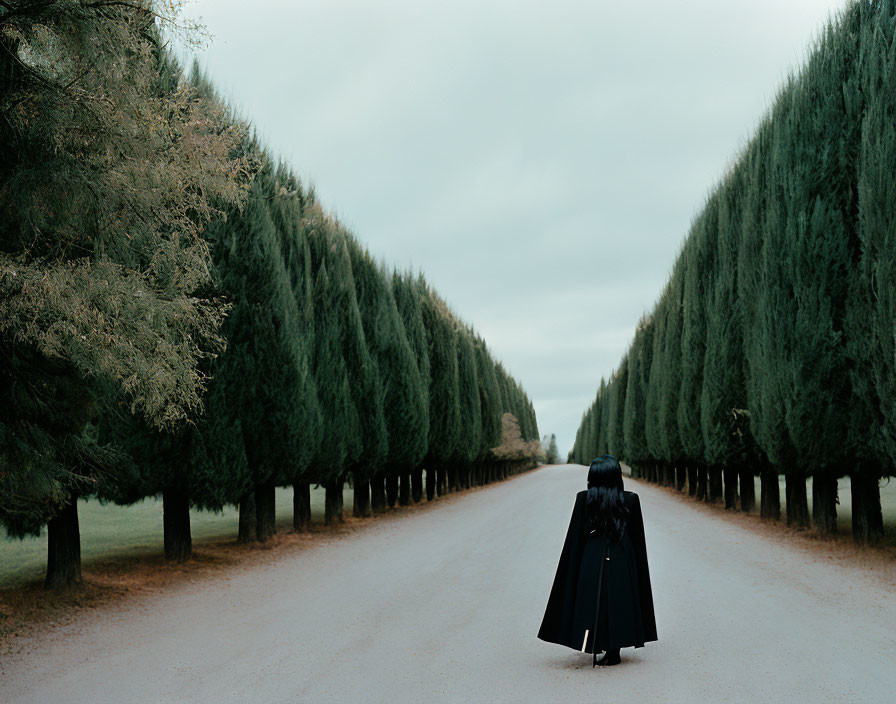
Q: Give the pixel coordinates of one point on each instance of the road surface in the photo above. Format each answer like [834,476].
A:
[443,605]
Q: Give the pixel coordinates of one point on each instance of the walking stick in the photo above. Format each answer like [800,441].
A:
[600,580]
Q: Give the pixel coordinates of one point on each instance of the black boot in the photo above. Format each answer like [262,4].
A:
[611,657]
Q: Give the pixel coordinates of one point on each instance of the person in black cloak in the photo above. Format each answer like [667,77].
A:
[601,598]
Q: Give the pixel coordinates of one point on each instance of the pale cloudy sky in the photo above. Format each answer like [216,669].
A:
[540,162]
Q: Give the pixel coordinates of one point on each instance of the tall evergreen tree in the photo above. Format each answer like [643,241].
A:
[616,409]
[402,404]
[101,258]
[470,411]
[670,381]
[288,203]
[340,352]
[872,299]
[698,277]
[634,432]
[724,417]
[490,409]
[408,300]
[275,390]
[444,392]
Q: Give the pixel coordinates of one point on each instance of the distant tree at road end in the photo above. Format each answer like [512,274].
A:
[549,447]
[513,448]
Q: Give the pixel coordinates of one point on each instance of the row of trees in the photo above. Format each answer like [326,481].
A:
[180,317]
[771,349]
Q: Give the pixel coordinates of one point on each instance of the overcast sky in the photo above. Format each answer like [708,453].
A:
[539,162]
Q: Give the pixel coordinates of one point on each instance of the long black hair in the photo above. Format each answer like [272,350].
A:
[606,510]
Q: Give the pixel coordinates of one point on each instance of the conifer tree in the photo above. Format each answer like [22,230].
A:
[470,412]
[490,409]
[872,299]
[402,389]
[102,260]
[635,440]
[670,381]
[275,393]
[616,410]
[653,429]
[288,203]
[444,407]
[408,300]
[724,418]
[698,275]
[767,300]
[341,436]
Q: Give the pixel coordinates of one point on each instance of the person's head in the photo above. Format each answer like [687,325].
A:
[604,501]
[605,472]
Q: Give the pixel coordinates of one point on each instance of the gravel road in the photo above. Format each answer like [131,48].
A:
[443,605]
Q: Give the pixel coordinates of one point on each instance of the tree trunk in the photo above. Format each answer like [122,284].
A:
[730,475]
[332,502]
[797,501]
[404,489]
[361,492]
[702,484]
[340,501]
[417,485]
[378,494]
[247,519]
[265,512]
[747,491]
[468,477]
[681,477]
[430,483]
[176,525]
[391,489]
[824,503]
[692,481]
[715,484]
[867,519]
[451,479]
[64,548]
[770,495]
[301,506]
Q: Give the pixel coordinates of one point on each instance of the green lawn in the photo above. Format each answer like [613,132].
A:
[844,509]
[134,531]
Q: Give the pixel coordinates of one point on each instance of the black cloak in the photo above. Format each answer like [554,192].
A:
[626,602]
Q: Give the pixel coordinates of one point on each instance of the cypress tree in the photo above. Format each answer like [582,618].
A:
[489,408]
[765,415]
[670,381]
[408,301]
[101,262]
[598,433]
[652,426]
[765,297]
[724,417]
[468,448]
[275,393]
[872,300]
[288,203]
[402,400]
[634,431]
[698,275]
[444,393]
[342,430]
[616,410]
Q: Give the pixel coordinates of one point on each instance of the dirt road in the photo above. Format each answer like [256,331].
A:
[443,605]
